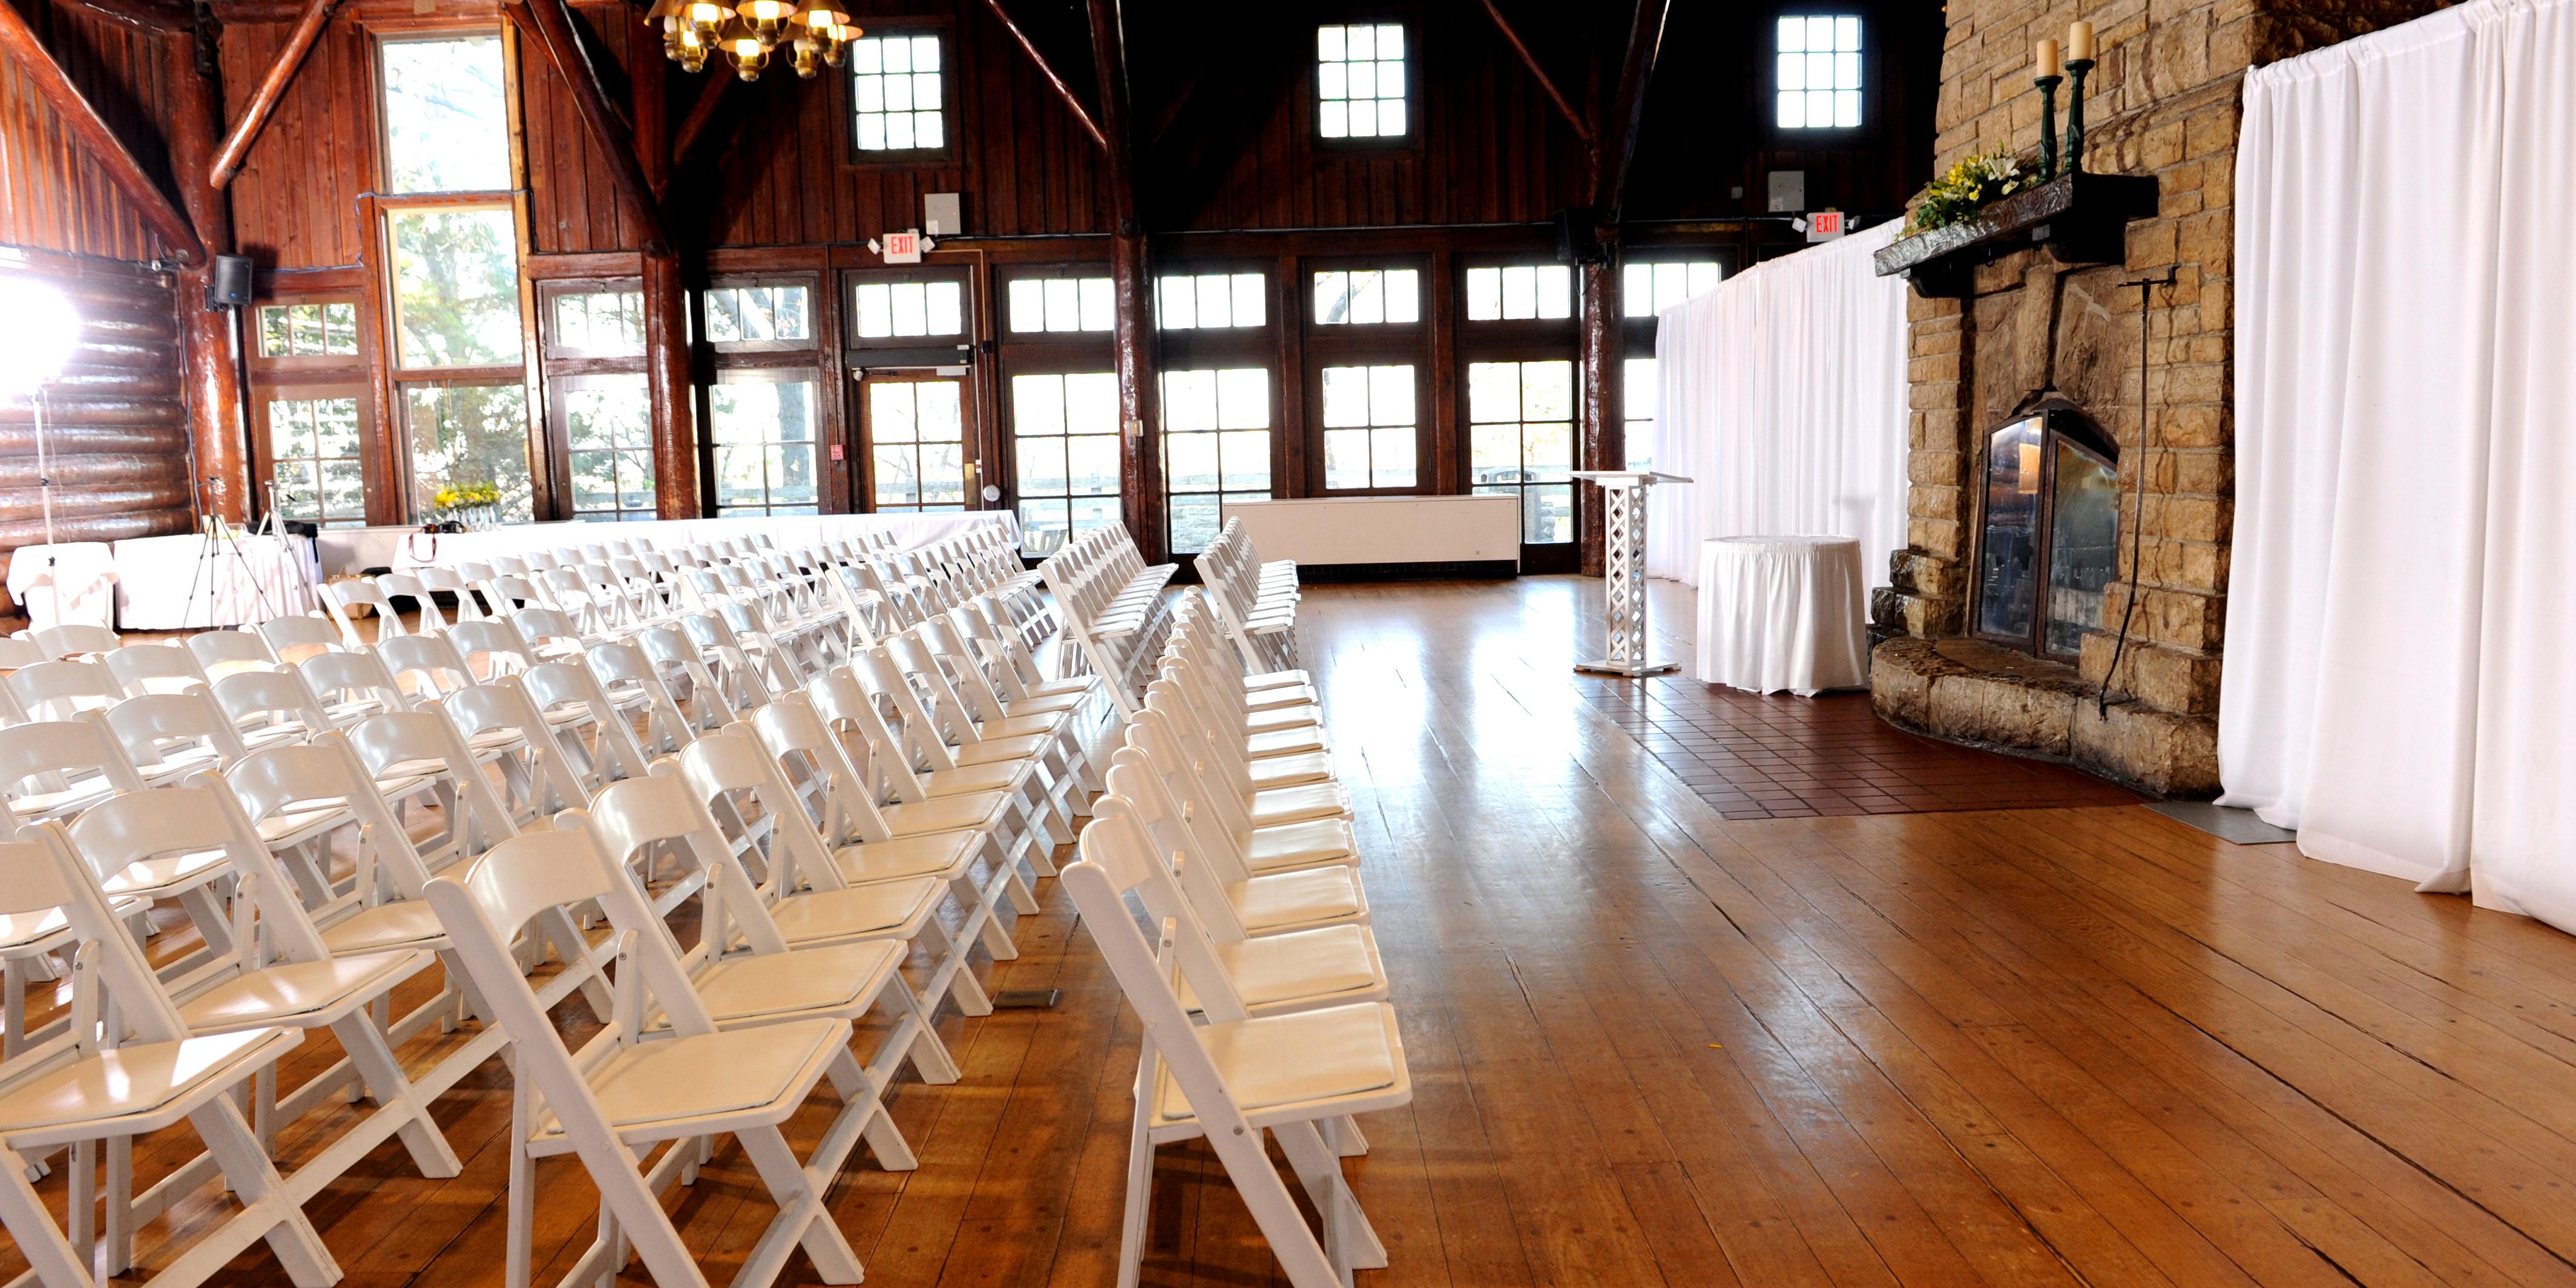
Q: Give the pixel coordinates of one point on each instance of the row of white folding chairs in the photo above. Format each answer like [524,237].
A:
[1255,969]
[1256,602]
[1109,606]
[701,753]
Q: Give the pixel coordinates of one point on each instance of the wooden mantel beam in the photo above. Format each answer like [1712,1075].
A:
[18,43]
[1619,140]
[272,87]
[1582,128]
[552,24]
[1046,69]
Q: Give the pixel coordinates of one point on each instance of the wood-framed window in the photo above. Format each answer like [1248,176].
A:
[914,427]
[311,443]
[1363,82]
[762,430]
[1059,401]
[1517,404]
[771,313]
[2048,527]
[466,431]
[1651,281]
[1366,353]
[1212,299]
[306,333]
[901,104]
[599,412]
[1220,397]
[1817,85]
[923,309]
[1061,301]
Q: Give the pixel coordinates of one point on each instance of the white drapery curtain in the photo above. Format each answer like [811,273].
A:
[1783,396]
[2405,379]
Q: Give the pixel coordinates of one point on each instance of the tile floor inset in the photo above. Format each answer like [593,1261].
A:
[1752,756]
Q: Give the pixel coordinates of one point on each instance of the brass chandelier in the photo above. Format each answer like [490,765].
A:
[816,32]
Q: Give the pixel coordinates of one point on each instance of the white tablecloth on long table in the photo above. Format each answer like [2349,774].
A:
[173,583]
[1782,613]
[70,582]
[910,531]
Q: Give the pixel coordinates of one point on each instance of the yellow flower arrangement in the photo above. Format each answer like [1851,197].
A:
[1969,187]
[458,496]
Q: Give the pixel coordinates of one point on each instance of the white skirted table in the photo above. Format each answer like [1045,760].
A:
[1782,613]
[72,583]
[187,581]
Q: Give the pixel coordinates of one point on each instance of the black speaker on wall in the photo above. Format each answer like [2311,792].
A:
[228,287]
[1577,240]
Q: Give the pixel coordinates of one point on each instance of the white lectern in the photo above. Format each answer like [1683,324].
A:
[1624,528]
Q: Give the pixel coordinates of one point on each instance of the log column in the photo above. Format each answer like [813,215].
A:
[666,380]
[1131,280]
[1604,416]
[213,381]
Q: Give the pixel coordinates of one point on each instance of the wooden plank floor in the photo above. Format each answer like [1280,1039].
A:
[1656,1046]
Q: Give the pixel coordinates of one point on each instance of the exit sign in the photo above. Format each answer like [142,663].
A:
[1824,225]
[903,248]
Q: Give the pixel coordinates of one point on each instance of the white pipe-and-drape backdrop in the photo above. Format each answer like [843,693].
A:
[2398,620]
[1783,397]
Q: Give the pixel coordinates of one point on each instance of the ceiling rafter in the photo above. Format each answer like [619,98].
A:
[20,44]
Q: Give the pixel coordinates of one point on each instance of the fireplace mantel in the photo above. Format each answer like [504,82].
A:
[2081,219]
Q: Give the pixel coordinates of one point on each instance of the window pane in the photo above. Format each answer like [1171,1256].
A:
[1359,81]
[764,436]
[275,341]
[456,287]
[1403,295]
[896,93]
[446,115]
[1332,298]
[1819,72]
[604,324]
[1211,300]
[469,435]
[316,471]
[1028,304]
[1484,294]
[1216,439]
[1521,432]
[1099,305]
[876,309]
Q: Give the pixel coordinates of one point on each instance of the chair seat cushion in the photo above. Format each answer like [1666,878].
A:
[1046,704]
[1269,1061]
[408,923]
[931,854]
[1291,717]
[138,1078]
[1298,804]
[994,776]
[889,908]
[1286,695]
[1303,966]
[653,1086]
[945,813]
[167,873]
[832,978]
[1288,899]
[993,749]
[1299,845]
[1290,771]
[296,992]
[1284,742]
[1277,679]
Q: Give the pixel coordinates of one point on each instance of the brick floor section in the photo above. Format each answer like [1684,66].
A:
[1752,756]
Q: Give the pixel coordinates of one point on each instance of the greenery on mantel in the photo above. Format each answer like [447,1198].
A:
[1968,188]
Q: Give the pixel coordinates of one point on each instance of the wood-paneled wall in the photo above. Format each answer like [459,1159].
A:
[52,195]
[295,202]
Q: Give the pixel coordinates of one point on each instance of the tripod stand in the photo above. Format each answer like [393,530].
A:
[216,538]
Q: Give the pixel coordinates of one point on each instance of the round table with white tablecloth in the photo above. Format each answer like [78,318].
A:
[1782,613]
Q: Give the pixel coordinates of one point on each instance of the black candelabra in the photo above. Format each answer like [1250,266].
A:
[2075,69]
[2047,125]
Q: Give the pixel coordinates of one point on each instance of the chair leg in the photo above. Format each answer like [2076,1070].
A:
[1273,1209]
[1349,1240]
[1137,1222]
[802,1219]
[263,1195]
[365,1045]
[56,1262]
[522,1196]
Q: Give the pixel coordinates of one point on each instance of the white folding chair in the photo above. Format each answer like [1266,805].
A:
[154,668]
[76,639]
[294,639]
[416,588]
[220,653]
[62,689]
[167,736]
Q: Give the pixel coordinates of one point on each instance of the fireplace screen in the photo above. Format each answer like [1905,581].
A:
[2049,541]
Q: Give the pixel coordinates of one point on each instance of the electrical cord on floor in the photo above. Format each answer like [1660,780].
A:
[2138,521]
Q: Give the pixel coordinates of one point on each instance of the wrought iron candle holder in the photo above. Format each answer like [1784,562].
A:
[2075,69]
[2047,125]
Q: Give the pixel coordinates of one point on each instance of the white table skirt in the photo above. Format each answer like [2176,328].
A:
[71,582]
[1782,613]
[910,531]
[174,583]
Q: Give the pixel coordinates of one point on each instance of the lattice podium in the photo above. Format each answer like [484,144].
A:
[1624,528]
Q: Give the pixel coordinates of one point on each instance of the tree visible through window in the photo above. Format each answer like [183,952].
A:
[916,445]
[308,330]
[468,434]
[313,445]
[456,287]
[446,114]
[763,431]
[1521,441]
[608,424]
[1064,439]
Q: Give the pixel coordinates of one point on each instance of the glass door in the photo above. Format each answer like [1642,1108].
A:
[915,454]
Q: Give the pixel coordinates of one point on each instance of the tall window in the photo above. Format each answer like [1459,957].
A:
[1647,289]
[608,432]
[1209,301]
[896,93]
[762,425]
[1064,439]
[313,445]
[1041,304]
[1359,81]
[452,273]
[1520,292]
[1216,447]
[916,444]
[1371,434]
[890,309]
[463,435]
[1819,72]
[1520,421]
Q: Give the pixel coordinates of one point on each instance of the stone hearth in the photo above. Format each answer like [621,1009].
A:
[1984,695]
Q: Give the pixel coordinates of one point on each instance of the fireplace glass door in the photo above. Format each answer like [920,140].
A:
[2048,536]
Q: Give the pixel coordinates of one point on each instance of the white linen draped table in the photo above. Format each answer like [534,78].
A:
[910,532]
[1782,613]
[67,583]
[173,583]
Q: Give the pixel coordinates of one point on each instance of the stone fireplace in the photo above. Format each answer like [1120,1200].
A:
[2036,334]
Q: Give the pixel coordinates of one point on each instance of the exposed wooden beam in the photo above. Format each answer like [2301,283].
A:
[1171,113]
[1582,128]
[18,42]
[552,24]
[1618,145]
[272,87]
[1047,69]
